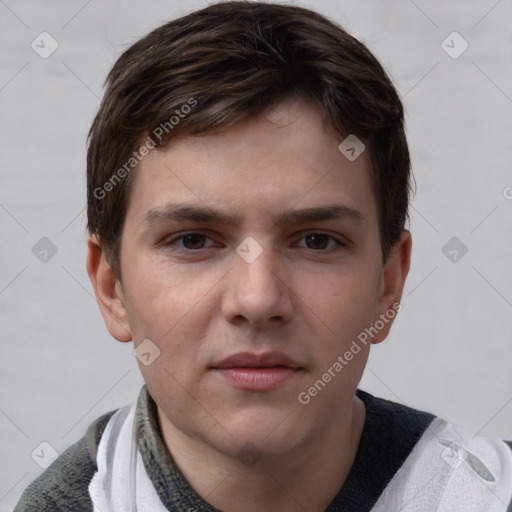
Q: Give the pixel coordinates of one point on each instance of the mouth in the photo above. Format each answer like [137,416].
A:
[257,372]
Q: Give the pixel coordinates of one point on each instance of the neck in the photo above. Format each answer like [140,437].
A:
[307,478]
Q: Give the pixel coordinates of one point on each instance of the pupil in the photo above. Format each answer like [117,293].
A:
[316,239]
[194,240]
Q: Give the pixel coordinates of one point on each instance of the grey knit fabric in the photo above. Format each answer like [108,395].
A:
[64,486]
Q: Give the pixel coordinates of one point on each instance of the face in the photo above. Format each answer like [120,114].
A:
[251,258]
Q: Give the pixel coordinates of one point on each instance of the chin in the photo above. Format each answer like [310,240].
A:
[269,434]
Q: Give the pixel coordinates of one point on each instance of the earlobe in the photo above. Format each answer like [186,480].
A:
[392,284]
[108,291]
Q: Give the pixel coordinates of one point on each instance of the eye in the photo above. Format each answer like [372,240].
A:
[321,241]
[189,241]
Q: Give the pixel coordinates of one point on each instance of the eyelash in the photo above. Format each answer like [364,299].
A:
[172,241]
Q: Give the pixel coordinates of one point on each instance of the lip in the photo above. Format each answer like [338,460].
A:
[257,372]
[263,360]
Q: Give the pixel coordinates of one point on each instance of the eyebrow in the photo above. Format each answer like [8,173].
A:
[183,212]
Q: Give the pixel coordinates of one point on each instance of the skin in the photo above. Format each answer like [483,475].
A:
[307,297]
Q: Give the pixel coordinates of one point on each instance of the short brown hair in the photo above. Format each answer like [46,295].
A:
[231,61]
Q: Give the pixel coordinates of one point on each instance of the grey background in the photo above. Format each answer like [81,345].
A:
[450,349]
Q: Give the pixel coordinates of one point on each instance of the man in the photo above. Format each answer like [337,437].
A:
[248,184]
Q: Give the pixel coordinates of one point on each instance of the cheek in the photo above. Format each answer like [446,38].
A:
[340,310]
[342,302]
[176,317]
[157,297]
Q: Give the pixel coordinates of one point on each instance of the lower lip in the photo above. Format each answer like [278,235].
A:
[257,379]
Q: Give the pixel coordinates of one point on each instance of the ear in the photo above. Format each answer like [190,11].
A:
[109,294]
[392,283]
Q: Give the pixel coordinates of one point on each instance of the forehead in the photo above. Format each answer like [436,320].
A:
[258,168]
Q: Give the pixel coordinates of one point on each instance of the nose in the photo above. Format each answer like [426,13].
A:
[258,293]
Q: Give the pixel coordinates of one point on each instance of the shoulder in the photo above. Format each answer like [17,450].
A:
[437,462]
[64,486]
